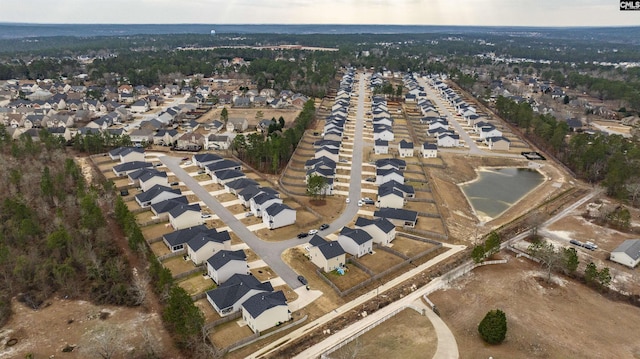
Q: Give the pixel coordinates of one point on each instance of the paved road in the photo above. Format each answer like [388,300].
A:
[267,251]
[271,252]
[442,107]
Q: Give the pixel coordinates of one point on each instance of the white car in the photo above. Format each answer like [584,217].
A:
[205,215]
[360,203]
[313,231]
[188,163]
[348,200]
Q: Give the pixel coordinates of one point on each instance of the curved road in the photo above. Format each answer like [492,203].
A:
[271,252]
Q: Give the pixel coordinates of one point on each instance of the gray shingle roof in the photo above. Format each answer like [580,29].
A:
[154,191]
[168,205]
[228,293]
[199,239]
[394,213]
[381,223]
[179,210]
[357,235]
[630,247]
[221,258]
[262,302]
[276,208]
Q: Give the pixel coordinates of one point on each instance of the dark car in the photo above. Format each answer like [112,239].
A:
[303,234]
[302,280]
[368,201]
[324,226]
[124,192]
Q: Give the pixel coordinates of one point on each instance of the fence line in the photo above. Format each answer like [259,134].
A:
[225,319]
[391,250]
[199,269]
[181,252]
[199,296]
[426,233]
[153,221]
[417,238]
[355,335]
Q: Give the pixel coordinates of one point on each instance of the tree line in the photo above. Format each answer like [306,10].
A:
[271,153]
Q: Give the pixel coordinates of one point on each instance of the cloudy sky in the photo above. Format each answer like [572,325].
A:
[400,12]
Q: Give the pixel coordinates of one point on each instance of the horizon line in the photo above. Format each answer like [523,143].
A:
[324,24]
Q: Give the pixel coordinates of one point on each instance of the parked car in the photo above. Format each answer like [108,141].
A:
[303,234]
[201,172]
[303,280]
[206,215]
[312,232]
[589,247]
[360,203]
[124,192]
[370,179]
[323,226]
[368,201]
[185,158]
[248,214]
[188,163]
[174,183]
[595,246]
[348,200]
[576,243]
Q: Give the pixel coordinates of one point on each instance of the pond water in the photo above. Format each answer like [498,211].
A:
[497,189]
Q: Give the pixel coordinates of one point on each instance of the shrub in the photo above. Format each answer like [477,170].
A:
[493,328]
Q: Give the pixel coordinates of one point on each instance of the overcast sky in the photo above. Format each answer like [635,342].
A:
[396,12]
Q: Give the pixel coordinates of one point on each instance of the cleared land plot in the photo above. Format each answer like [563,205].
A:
[422,207]
[430,224]
[410,247]
[144,217]
[121,182]
[406,335]
[236,209]
[251,255]
[248,221]
[156,230]
[380,260]
[424,195]
[197,283]
[415,177]
[544,320]
[131,203]
[225,197]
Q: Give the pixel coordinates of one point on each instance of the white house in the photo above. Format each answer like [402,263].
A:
[327,255]
[203,159]
[140,106]
[486,132]
[230,295]
[224,264]
[127,154]
[389,197]
[161,209]
[278,215]
[202,245]
[381,147]
[429,150]
[627,253]
[405,148]
[185,216]
[448,140]
[381,230]
[177,240]
[398,216]
[265,310]
[150,178]
[156,194]
[356,242]
[225,176]
[385,175]
[261,202]
[498,143]
[383,133]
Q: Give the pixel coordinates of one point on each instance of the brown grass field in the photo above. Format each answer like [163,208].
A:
[406,335]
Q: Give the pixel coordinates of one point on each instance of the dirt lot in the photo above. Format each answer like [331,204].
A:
[45,332]
[229,333]
[406,335]
[156,230]
[351,277]
[379,261]
[409,247]
[535,328]
[197,283]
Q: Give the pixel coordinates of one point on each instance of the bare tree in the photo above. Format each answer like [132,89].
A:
[139,287]
[549,257]
[104,342]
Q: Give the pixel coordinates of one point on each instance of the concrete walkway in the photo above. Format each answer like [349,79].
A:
[447,345]
[325,345]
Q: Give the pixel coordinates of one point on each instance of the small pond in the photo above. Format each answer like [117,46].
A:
[497,189]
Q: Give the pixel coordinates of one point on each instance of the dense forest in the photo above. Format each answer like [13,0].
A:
[53,233]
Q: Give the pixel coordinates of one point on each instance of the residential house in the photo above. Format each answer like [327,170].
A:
[224,264]
[327,255]
[216,166]
[265,310]
[149,178]
[217,142]
[429,150]
[166,137]
[127,154]
[155,194]
[177,240]
[236,186]
[203,159]
[388,163]
[498,143]
[141,137]
[448,140]
[140,106]
[225,176]
[191,141]
[278,215]
[185,216]
[124,169]
[261,202]
[161,209]
[381,147]
[627,253]
[230,295]
[406,190]
[399,217]
[381,230]
[385,175]
[356,242]
[237,124]
[382,132]
[202,245]
[389,197]
[405,148]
